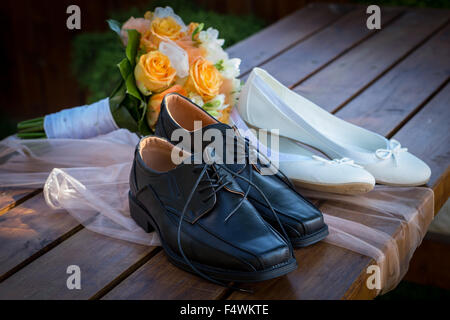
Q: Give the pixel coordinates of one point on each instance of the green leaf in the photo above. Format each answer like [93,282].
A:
[114,25]
[125,68]
[211,105]
[197,30]
[132,46]
[128,107]
[140,53]
[219,65]
[131,103]
[124,119]
[118,104]
[143,127]
[131,87]
[128,76]
[214,113]
[118,93]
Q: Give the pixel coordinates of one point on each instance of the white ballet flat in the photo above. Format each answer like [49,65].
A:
[308,170]
[265,103]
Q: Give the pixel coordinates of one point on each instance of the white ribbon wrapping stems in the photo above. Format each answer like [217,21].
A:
[80,122]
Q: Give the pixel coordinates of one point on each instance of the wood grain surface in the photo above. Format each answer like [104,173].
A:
[287,32]
[349,75]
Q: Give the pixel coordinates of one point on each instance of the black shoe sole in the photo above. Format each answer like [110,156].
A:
[144,219]
[310,239]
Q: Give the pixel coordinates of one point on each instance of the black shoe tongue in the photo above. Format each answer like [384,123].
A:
[235,167]
[225,130]
[206,140]
[223,154]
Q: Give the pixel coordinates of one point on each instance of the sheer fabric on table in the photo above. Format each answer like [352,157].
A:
[89,179]
[386,224]
[86,177]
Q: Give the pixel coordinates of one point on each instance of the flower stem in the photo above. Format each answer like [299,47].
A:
[31,135]
[30,123]
[33,120]
[35,128]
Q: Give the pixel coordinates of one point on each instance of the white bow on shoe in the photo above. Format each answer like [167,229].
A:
[337,161]
[265,103]
[308,170]
[394,149]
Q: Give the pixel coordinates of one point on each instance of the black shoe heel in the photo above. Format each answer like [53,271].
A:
[140,215]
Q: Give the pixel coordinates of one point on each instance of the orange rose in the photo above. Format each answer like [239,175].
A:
[154,72]
[161,29]
[154,104]
[204,79]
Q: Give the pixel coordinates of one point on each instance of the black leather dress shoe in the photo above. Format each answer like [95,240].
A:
[204,224]
[302,221]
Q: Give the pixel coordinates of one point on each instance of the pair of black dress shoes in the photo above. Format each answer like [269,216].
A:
[223,220]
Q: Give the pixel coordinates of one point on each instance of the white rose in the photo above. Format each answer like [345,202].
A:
[215,105]
[178,57]
[197,99]
[213,45]
[168,12]
[219,100]
[215,54]
[237,86]
[210,37]
[230,68]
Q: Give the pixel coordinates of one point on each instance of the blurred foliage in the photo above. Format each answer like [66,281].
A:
[95,55]
[409,3]
[7,125]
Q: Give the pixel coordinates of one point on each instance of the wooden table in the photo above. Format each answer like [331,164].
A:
[393,81]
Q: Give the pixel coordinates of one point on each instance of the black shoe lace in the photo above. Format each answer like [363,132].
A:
[250,151]
[216,182]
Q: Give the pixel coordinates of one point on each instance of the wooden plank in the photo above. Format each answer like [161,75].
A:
[102,261]
[441,190]
[330,272]
[281,35]
[396,97]
[390,101]
[28,230]
[427,136]
[12,197]
[325,272]
[160,279]
[356,289]
[315,52]
[348,75]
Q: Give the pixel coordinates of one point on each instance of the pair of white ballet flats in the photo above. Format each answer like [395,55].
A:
[357,157]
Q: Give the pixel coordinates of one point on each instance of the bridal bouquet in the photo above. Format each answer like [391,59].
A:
[162,55]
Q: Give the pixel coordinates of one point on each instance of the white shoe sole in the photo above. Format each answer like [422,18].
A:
[345,188]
